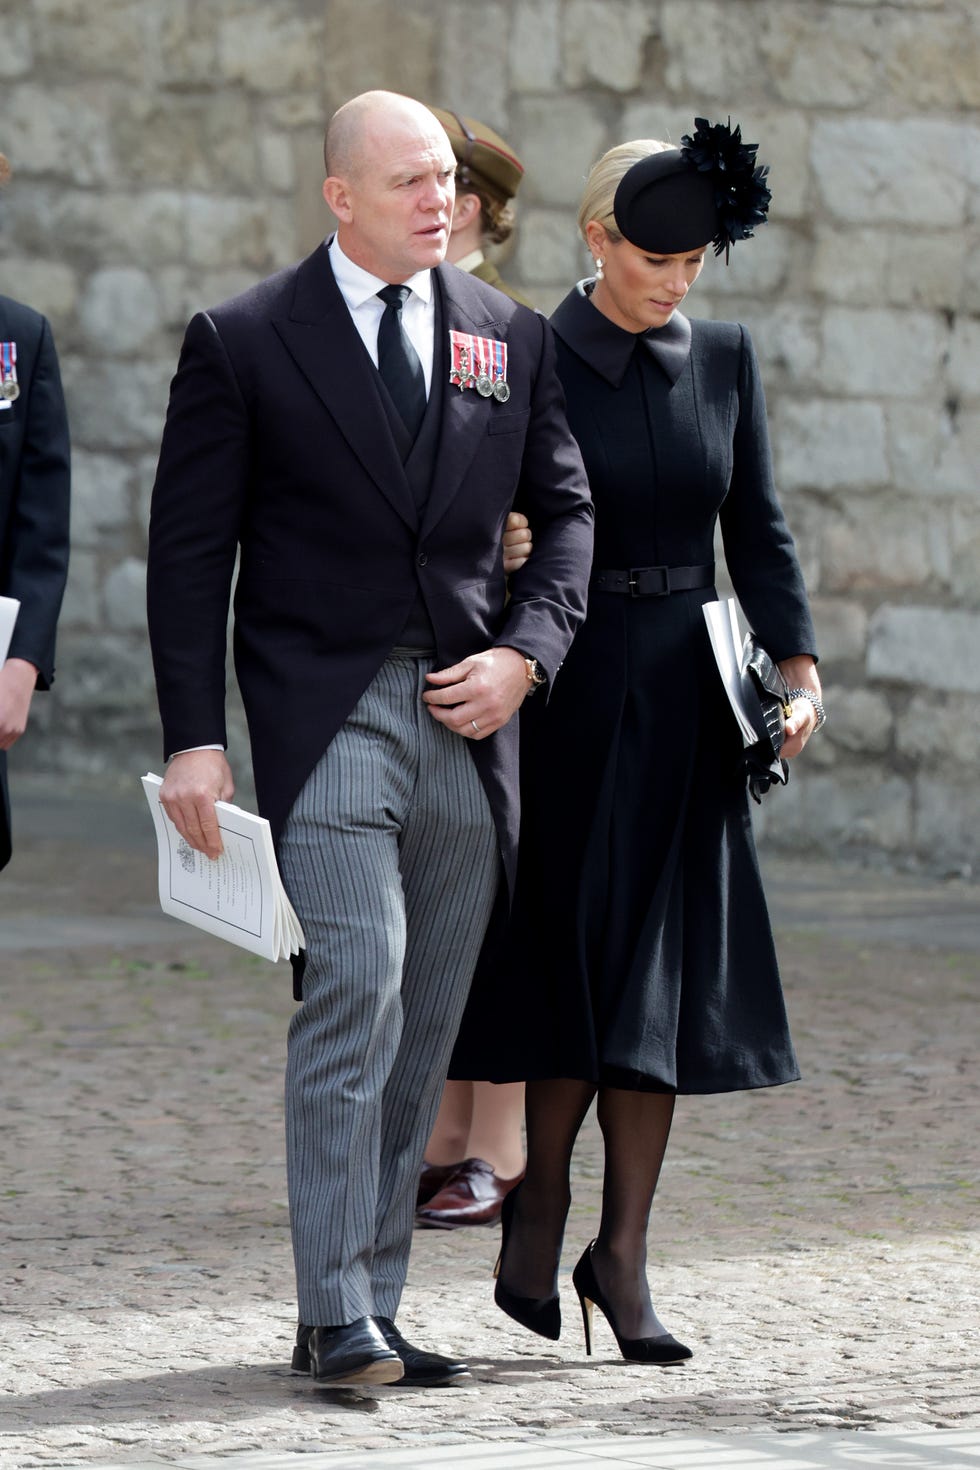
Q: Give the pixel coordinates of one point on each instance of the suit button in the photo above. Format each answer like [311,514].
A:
[423,558]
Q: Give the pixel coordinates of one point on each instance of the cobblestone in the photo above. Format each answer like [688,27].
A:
[817,1244]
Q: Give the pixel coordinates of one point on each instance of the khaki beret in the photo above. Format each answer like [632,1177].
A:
[485,160]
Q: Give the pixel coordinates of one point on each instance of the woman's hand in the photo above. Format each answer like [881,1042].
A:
[800,673]
[516,542]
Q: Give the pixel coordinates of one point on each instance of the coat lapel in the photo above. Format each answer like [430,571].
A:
[465,415]
[325,345]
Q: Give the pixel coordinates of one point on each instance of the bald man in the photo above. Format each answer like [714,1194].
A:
[358,427]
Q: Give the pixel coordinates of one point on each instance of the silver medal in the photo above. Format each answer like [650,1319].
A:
[10,389]
[484,386]
[501,390]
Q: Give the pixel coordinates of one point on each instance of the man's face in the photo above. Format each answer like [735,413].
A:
[396,204]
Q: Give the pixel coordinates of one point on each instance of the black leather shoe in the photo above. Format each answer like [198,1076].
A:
[422,1369]
[356,1353]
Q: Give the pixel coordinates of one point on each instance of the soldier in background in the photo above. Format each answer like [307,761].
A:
[475,1154]
[34,490]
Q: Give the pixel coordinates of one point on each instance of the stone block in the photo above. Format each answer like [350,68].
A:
[49,287]
[277,163]
[472,74]
[842,630]
[204,143]
[113,410]
[931,60]
[81,607]
[713,50]
[125,596]
[111,42]
[934,453]
[268,49]
[60,133]
[373,43]
[858,806]
[906,171]
[965,540]
[96,229]
[603,42]
[816,60]
[17,51]
[120,310]
[878,545]
[758,267]
[549,249]
[931,646]
[947,819]
[186,42]
[223,233]
[111,677]
[559,139]
[535,46]
[787,338]
[963,372]
[861,722]
[881,354]
[100,498]
[942,286]
[829,445]
[846,264]
[923,730]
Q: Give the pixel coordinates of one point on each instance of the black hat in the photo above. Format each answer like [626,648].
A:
[708,189]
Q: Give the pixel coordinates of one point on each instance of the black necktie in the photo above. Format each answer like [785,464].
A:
[398,362]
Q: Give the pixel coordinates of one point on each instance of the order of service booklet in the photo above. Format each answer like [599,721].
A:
[238,896]
[9,608]
[728,646]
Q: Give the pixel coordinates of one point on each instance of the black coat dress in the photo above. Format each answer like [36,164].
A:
[641,953]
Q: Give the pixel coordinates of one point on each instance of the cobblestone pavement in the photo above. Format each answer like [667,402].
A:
[817,1244]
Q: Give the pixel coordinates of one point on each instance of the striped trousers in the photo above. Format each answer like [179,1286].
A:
[390,858]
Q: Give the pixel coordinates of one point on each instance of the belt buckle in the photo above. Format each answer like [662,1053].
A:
[634,586]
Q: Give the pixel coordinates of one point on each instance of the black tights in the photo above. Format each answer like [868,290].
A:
[635,1128]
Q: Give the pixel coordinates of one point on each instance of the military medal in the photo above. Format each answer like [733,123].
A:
[501,388]
[9,386]
[480,363]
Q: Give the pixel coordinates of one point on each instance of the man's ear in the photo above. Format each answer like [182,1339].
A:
[337,196]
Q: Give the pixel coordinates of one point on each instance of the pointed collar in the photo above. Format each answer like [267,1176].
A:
[608,348]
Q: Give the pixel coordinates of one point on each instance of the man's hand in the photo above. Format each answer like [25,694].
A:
[17,680]
[478,695]
[194,781]
[516,542]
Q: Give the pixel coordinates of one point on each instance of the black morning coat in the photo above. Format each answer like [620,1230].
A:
[35,477]
[277,442]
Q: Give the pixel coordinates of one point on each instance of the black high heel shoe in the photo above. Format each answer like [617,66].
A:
[538,1314]
[662,1349]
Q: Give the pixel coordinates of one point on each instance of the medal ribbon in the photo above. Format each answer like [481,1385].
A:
[8,350]
[500,361]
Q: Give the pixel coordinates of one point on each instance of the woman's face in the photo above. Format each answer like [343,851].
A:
[640,289]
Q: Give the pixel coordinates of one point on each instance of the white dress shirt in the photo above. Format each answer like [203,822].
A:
[360,291]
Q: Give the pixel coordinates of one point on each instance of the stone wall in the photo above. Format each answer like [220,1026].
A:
[167,153]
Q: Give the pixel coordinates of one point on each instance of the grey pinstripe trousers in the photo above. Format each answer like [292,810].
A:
[390,857]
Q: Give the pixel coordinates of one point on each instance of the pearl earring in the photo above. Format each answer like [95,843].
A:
[599,263]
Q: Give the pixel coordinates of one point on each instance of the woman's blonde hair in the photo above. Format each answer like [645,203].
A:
[604,179]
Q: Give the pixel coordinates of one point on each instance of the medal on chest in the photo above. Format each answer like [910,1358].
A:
[9,386]
[480,363]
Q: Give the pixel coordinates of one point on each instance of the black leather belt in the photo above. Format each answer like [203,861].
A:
[654,581]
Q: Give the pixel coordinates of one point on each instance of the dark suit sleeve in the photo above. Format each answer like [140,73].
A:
[759,548]
[548,595]
[37,539]
[195,516]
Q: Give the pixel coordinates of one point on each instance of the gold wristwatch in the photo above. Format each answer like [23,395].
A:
[535,674]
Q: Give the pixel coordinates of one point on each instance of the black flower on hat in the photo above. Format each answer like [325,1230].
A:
[741,193]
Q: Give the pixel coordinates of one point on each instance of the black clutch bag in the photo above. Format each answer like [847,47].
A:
[765,696]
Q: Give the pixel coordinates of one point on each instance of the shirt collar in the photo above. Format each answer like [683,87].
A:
[358,285]
[471,261]
[608,348]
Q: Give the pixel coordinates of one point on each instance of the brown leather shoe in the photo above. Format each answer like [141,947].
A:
[472,1196]
[431,1179]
